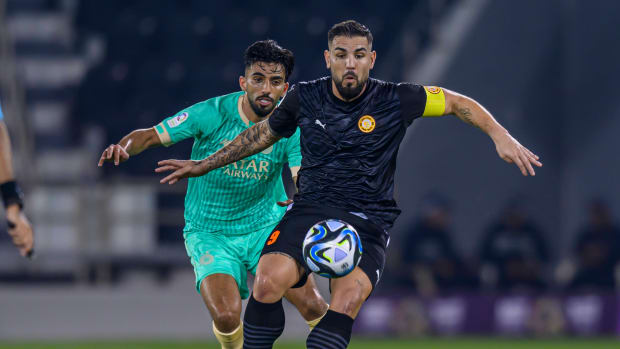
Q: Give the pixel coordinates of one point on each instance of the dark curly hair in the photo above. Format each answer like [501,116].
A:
[350,29]
[269,51]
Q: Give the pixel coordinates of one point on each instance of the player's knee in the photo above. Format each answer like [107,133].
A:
[348,300]
[227,321]
[267,289]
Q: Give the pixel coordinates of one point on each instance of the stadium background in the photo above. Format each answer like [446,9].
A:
[76,76]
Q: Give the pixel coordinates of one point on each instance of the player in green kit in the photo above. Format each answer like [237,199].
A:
[231,212]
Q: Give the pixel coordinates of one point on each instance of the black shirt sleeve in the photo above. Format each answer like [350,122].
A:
[412,100]
[283,121]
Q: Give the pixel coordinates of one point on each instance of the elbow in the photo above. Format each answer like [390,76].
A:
[455,102]
[147,137]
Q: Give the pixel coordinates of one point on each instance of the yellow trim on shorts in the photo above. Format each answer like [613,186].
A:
[435,101]
[162,133]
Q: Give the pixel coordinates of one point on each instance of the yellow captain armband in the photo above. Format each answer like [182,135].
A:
[435,101]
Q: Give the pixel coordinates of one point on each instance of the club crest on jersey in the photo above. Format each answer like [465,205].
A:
[177,120]
[366,123]
[433,89]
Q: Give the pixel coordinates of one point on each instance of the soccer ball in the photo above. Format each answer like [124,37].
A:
[332,248]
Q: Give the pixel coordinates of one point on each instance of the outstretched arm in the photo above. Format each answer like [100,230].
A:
[19,226]
[251,141]
[294,171]
[6,166]
[132,144]
[508,148]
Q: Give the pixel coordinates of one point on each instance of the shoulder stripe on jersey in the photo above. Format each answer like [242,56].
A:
[435,101]
[163,134]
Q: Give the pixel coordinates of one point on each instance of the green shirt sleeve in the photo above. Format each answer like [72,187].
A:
[294,150]
[198,121]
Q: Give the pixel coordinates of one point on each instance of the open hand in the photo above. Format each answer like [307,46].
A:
[116,153]
[511,151]
[182,169]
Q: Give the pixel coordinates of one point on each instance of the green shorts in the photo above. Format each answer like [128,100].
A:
[234,255]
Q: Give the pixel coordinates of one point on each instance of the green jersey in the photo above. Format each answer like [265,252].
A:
[238,198]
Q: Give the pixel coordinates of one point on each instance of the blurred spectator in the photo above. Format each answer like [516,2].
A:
[513,252]
[597,249]
[431,261]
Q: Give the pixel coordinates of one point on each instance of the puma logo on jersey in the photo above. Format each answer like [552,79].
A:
[318,122]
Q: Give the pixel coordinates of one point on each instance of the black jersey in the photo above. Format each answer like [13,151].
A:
[349,149]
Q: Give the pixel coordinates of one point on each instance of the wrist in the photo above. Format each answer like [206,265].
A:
[497,132]
[202,166]
[11,194]
[205,167]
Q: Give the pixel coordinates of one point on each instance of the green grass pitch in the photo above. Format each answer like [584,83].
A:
[458,343]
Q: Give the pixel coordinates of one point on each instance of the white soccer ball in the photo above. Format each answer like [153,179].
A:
[332,248]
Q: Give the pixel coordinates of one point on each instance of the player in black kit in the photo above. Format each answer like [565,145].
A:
[351,127]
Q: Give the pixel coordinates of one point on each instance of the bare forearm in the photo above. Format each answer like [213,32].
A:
[508,148]
[294,173]
[6,167]
[475,114]
[139,140]
[251,141]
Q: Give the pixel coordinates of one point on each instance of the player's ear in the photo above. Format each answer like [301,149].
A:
[242,82]
[286,85]
[327,59]
[373,58]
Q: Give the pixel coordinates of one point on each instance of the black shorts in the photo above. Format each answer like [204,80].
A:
[302,216]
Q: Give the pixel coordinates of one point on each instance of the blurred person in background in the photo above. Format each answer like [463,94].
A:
[230,214]
[514,252]
[431,261]
[20,230]
[597,249]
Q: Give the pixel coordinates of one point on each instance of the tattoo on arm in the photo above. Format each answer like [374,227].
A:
[251,141]
[465,114]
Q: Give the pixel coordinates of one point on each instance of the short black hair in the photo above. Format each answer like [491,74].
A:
[350,29]
[269,51]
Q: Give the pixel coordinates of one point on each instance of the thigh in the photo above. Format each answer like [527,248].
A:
[220,294]
[213,253]
[275,274]
[254,246]
[374,246]
[349,292]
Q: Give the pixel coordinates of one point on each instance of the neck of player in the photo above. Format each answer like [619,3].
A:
[339,96]
[249,112]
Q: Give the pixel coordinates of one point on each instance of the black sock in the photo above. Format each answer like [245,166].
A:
[263,323]
[333,332]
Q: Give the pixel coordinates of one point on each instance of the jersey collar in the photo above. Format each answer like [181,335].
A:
[244,118]
[337,100]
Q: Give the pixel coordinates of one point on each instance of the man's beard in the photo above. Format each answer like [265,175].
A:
[349,92]
[260,111]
